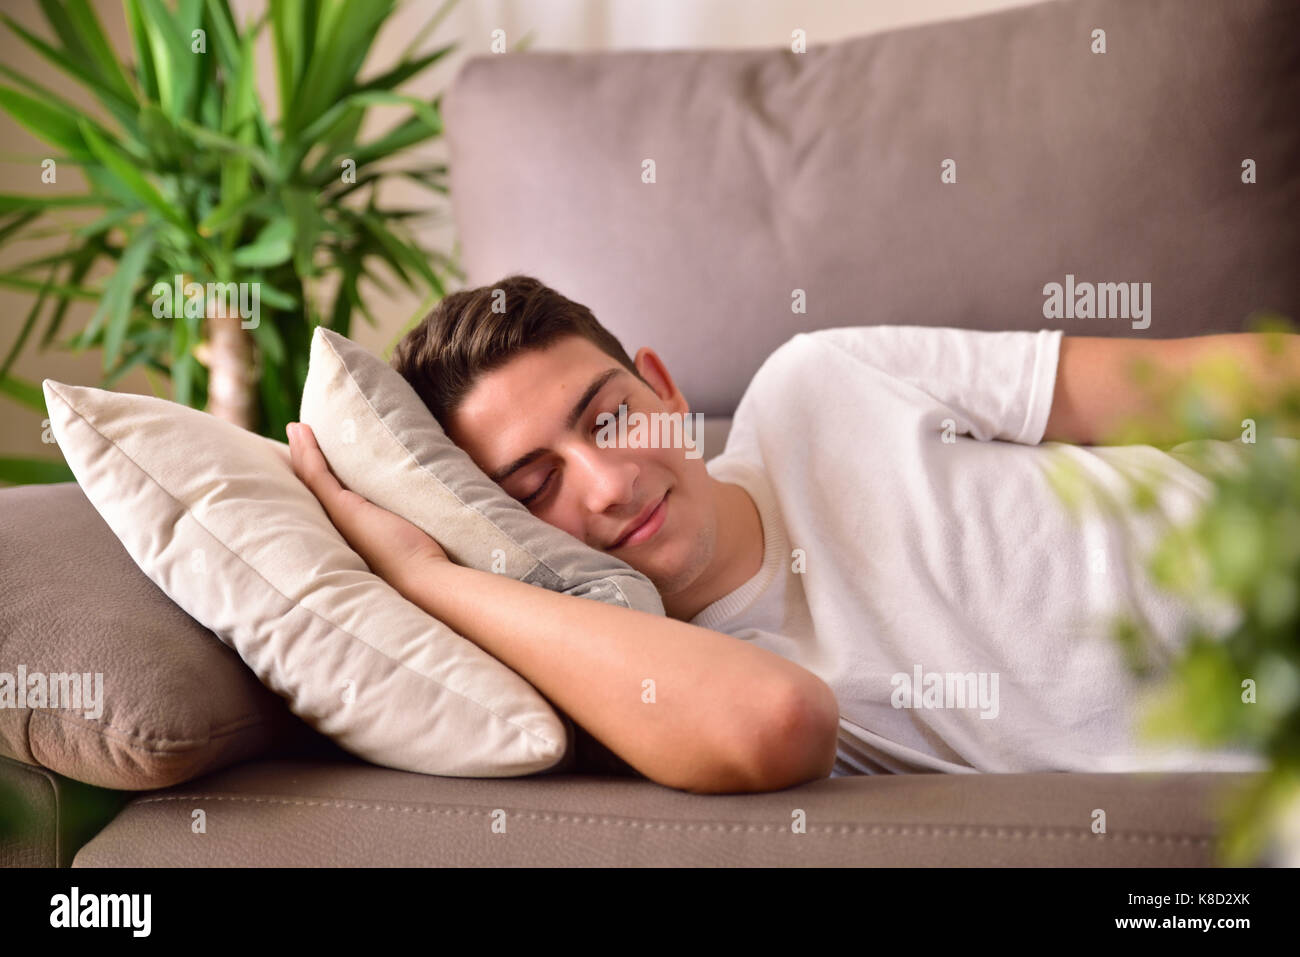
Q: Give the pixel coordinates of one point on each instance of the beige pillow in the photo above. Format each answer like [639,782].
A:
[216,517]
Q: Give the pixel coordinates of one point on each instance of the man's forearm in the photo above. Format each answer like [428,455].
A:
[688,707]
[1097,388]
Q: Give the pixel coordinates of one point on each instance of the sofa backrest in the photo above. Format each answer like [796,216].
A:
[823,171]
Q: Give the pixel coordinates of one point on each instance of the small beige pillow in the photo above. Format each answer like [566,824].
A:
[216,517]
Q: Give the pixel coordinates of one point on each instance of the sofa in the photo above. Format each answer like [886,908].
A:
[711,204]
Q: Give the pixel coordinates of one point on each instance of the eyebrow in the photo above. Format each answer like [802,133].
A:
[576,413]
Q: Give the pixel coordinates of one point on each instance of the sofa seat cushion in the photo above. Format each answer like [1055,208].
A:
[314,813]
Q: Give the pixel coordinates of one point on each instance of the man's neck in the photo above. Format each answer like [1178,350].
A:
[737,554]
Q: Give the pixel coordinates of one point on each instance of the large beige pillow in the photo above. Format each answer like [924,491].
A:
[216,517]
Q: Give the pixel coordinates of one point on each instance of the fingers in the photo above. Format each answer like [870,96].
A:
[309,463]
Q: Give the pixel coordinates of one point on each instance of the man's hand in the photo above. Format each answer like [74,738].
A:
[390,545]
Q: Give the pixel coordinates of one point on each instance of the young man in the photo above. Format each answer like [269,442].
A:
[864,580]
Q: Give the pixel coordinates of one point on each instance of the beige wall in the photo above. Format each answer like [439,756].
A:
[554,24]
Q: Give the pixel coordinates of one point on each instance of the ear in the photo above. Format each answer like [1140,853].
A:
[654,371]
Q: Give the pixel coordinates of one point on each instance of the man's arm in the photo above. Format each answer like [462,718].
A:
[1096,389]
[725,715]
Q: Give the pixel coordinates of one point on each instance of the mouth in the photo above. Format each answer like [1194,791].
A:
[645,526]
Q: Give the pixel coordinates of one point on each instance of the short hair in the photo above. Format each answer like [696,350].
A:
[474,331]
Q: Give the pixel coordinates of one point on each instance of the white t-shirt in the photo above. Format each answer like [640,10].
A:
[904,551]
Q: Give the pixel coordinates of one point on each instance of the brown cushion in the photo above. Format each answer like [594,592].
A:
[177,703]
[820,171]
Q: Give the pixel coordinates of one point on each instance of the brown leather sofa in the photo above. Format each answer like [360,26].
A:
[773,172]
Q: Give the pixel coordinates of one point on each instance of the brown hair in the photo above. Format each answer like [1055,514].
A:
[463,338]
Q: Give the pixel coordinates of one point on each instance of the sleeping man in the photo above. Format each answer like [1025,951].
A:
[876,574]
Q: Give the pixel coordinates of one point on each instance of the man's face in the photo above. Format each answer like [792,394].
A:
[515,425]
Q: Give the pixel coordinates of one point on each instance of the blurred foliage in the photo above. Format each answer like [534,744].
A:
[82,812]
[186,176]
[1240,554]
[17,819]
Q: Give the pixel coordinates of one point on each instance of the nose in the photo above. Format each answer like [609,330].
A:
[608,477]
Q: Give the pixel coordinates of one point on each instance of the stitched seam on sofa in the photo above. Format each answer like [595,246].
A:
[919,830]
[294,604]
[27,738]
[144,741]
[454,494]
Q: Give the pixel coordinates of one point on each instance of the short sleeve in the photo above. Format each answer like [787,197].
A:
[995,385]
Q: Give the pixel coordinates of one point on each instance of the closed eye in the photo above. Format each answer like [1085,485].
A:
[541,488]
[595,428]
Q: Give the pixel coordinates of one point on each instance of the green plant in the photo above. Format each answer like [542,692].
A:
[1236,561]
[186,177]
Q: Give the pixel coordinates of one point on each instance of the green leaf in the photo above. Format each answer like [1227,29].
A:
[81,264]
[189,18]
[344,35]
[28,323]
[278,298]
[28,393]
[10,202]
[45,122]
[58,103]
[400,137]
[432,24]
[95,43]
[130,177]
[423,110]
[168,148]
[63,28]
[220,141]
[228,46]
[17,223]
[239,123]
[120,105]
[106,222]
[184,336]
[230,213]
[287,36]
[119,296]
[273,245]
[307,224]
[269,342]
[403,252]
[31,285]
[341,314]
[405,70]
[170,48]
[137,357]
[22,471]
[145,73]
